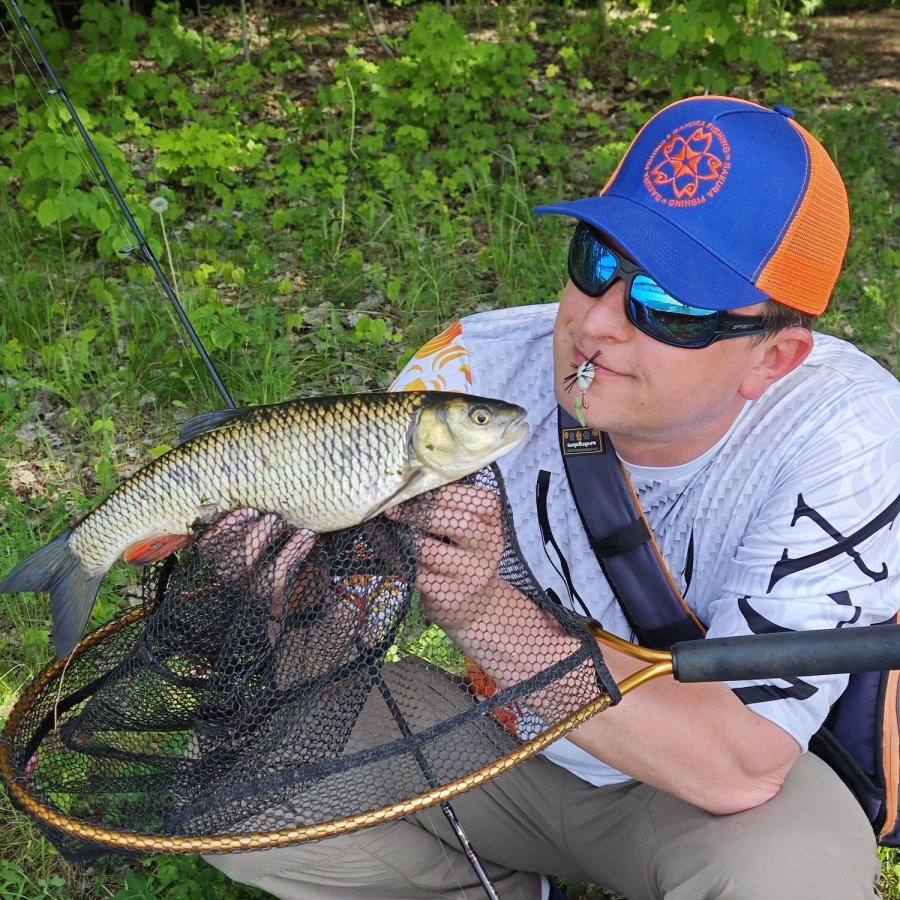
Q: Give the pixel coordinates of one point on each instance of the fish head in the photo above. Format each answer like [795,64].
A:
[457,434]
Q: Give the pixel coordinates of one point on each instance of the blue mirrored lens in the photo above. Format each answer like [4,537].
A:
[662,316]
[592,265]
[648,293]
[604,264]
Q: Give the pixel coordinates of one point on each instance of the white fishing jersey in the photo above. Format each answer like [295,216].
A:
[789,523]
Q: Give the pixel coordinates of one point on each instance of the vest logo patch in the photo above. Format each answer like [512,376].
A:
[689,166]
[576,441]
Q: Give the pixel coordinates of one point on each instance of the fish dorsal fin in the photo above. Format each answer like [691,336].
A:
[208,421]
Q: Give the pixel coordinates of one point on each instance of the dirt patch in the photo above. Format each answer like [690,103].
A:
[859,49]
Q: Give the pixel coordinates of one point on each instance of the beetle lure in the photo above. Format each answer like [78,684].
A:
[581,378]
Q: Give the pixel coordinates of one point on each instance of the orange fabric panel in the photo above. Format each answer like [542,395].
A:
[805,266]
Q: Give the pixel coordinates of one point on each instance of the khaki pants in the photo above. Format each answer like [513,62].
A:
[810,841]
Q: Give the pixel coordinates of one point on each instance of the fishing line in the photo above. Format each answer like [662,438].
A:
[142,248]
[443,847]
[59,693]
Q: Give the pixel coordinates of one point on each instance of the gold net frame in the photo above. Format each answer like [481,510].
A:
[137,842]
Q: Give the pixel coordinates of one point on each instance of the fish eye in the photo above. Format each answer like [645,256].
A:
[480,415]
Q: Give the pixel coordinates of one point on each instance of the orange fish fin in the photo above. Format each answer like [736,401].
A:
[155,547]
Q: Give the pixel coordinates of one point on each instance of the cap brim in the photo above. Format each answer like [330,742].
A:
[684,268]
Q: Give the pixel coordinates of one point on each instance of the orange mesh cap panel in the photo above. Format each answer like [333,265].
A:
[802,271]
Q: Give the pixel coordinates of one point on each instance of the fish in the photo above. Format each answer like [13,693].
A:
[321,464]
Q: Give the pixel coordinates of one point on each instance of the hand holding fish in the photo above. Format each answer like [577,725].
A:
[237,543]
[314,619]
[463,592]
[459,560]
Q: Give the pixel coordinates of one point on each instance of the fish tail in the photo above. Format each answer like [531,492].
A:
[58,571]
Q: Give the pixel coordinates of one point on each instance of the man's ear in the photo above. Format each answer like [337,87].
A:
[776,357]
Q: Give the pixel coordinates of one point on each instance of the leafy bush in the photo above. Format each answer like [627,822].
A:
[707,46]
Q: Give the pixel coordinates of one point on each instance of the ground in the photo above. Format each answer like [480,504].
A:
[859,49]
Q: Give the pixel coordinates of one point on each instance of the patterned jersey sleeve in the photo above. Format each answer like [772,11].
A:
[822,552]
[440,365]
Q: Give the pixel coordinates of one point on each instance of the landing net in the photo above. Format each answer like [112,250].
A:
[272,690]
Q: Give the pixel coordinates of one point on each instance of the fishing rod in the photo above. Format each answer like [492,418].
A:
[142,248]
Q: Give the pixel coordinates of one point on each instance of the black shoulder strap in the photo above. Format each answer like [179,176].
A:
[622,540]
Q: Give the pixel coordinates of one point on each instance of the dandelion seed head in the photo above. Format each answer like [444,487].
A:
[159,205]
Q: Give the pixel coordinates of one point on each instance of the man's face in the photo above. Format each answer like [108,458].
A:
[661,405]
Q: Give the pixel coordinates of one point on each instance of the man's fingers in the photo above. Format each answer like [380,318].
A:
[235,544]
[297,548]
[476,555]
[226,524]
[460,497]
[463,514]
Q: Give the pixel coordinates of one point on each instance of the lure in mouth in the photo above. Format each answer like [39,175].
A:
[581,378]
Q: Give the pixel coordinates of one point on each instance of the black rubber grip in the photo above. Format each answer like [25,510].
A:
[863,649]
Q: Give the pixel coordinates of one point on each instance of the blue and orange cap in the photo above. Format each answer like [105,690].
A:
[726,203]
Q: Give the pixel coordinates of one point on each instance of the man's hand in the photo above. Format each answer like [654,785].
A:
[237,546]
[463,593]
[460,557]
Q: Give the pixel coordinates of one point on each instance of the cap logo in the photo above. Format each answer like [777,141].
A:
[689,166]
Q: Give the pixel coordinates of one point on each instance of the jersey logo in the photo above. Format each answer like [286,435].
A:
[843,543]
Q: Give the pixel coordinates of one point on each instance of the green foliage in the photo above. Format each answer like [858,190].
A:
[63,188]
[172,877]
[444,108]
[44,24]
[105,25]
[180,878]
[707,46]
[16,883]
[197,156]
[866,306]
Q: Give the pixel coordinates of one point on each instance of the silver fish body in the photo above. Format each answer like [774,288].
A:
[322,464]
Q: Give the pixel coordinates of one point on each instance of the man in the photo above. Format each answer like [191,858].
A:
[684,333]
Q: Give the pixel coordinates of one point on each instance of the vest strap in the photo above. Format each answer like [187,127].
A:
[622,540]
[628,538]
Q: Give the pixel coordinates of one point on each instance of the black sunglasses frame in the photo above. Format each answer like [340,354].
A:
[725,325]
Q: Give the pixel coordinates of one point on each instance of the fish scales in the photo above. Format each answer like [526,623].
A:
[310,465]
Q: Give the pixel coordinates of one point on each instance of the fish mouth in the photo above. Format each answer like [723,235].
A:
[516,429]
[514,432]
[511,439]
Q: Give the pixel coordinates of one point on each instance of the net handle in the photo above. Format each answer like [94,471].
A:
[828,651]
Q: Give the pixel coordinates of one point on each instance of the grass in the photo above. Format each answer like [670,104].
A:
[319,269]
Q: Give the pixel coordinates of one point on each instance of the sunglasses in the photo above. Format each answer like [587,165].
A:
[593,267]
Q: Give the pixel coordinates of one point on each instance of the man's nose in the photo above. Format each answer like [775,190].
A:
[606,316]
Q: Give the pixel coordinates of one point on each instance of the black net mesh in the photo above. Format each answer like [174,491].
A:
[297,686]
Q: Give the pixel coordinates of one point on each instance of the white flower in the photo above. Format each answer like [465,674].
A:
[159,205]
